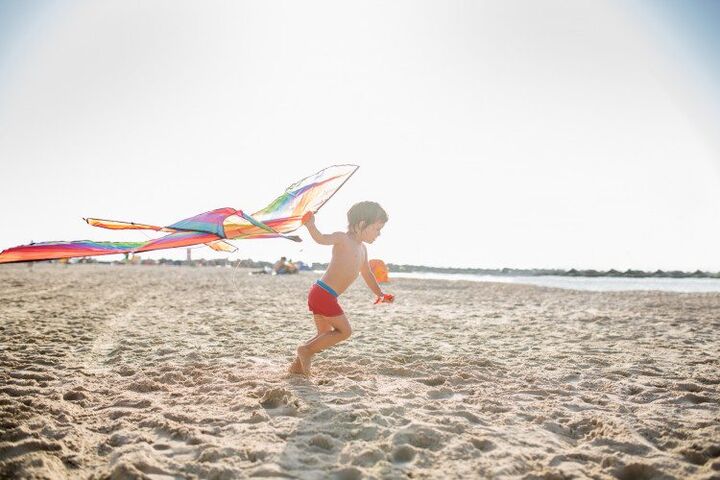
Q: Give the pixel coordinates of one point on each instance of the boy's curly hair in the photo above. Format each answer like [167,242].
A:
[363,214]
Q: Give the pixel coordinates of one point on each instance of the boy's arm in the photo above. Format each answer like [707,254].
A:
[321,238]
[369,277]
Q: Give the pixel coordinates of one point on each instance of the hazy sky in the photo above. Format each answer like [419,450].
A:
[496,134]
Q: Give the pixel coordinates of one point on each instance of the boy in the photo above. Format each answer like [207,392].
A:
[349,257]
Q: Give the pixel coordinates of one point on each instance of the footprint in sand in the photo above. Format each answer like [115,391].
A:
[131,403]
[699,456]
[432,381]
[634,390]
[440,394]
[397,372]
[624,447]
[469,416]
[322,441]
[693,399]
[29,446]
[419,437]
[118,413]
[74,396]
[26,375]
[689,387]
[256,417]
[403,454]
[367,433]
[368,458]
[280,402]
[350,473]
[278,397]
[146,386]
[482,444]
[639,471]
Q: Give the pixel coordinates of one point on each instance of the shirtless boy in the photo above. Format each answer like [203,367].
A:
[349,258]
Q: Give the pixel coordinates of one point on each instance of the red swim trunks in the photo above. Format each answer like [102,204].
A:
[322,302]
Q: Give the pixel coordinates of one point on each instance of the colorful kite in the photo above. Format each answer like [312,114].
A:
[283,215]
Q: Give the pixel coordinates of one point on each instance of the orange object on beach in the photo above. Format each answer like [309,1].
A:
[379,270]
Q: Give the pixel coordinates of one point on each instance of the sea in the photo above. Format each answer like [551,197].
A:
[597,284]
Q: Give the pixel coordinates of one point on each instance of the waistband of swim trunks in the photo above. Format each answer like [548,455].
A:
[326,287]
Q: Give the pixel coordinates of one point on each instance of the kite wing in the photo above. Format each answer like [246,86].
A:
[88,248]
[203,223]
[222,246]
[53,250]
[218,221]
[118,225]
[284,214]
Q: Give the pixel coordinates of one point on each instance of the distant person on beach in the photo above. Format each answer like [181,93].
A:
[349,257]
[284,266]
[290,267]
[280,265]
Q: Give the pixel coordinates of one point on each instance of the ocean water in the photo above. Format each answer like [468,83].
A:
[598,284]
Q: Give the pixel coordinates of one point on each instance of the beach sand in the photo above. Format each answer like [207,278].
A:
[178,372]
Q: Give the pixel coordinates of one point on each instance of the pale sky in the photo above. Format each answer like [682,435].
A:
[522,134]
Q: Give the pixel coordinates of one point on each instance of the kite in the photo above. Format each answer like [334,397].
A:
[281,217]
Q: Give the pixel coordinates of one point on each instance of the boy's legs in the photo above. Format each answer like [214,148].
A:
[341,331]
[323,326]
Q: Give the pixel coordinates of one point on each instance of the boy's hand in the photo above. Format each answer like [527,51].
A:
[386,298]
[308,219]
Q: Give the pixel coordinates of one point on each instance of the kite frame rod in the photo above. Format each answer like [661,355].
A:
[357,167]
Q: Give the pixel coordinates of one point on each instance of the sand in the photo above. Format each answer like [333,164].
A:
[178,372]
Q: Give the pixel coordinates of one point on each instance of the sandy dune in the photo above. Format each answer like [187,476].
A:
[162,372]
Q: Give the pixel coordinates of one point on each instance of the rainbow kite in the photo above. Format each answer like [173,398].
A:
[213,228]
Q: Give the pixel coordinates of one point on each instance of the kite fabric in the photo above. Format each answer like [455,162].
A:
[115,225]
[281,217]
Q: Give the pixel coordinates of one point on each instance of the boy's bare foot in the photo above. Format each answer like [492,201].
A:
[304,357]
[295,367]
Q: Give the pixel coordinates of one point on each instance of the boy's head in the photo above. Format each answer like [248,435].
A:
[365,219]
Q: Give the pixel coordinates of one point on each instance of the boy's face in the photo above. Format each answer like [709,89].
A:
[371,232]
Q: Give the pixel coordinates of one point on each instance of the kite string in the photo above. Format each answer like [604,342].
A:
[233,277]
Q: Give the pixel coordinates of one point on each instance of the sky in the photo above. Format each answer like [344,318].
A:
[521,134]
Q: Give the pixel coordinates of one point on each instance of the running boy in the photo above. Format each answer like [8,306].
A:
[349,257]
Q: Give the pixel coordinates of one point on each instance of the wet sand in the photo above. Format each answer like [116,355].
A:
[177,372]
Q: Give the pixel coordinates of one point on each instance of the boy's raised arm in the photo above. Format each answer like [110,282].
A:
[321,238]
